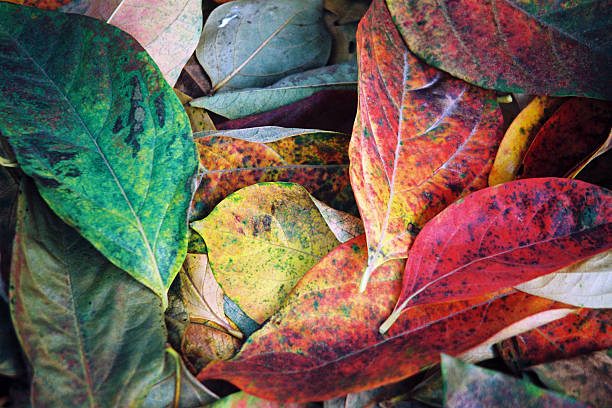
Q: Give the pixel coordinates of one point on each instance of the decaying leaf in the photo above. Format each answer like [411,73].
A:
[505,235]
[535,47]
[468,385]
[261,240]
[232,159]
[202,344]
[324,341]
[251,101]
[586,283]
[248,43]
[422,139]
[107,141]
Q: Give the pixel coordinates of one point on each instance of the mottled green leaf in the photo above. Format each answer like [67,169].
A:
[93,335]
[190,393]
[293,88]
[261,240]
[90,117]
[467,385]
[250,43]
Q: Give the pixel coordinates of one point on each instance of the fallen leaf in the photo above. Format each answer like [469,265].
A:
[587,283]
[262,42]
[168,29]
[585,378]
[422,139]
[505,235]
[604,148]
[232,159]
[92,335]
[107,142]
[537,47]
[251,101]
[193,80]
[344,41]
[202,294]
[332,110]
[468,385]
[347,11]
[324,341]
[42,4]
[578,128]
[519,136]
[198,118]
[344,226]
[203,344]
[583,332]
[261,240]
[244,400]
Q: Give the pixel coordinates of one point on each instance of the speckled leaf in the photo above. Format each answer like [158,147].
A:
[190,393]
[324,342]
[244,400]
[580,333]
[332,110]
[93,335]
[94,123]
[467,385]
[202,294]
[168,29]
[587,283]
[249,43]
[585,378]
[290,89]
[535,47]
[519,136]
[505,235]
[422,139]
[316,160]
[572,133]
[261,240]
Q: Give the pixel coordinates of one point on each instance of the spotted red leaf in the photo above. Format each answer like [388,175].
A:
[538,46]
[423,140]
[580,333]
[324,342]
[504,235]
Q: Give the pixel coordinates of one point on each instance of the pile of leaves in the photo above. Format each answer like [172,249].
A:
[292,203]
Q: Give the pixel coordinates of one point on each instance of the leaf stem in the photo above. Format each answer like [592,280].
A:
[177,380]
[4,162]
[390,320]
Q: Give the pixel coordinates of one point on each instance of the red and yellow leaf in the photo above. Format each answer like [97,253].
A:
[504,235]
[422,139]
[325,343]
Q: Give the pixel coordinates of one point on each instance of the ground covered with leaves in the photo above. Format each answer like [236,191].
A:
[305,203]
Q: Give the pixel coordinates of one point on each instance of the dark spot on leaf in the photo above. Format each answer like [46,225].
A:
[47,182]
[160,110]
[267,221]
[118,125]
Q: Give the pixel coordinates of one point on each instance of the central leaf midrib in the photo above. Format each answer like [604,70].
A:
[102,155]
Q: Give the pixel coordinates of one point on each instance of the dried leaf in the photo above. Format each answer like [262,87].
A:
[202,344]
[468,385]
[232,159]
[107,142]
[535,47]
[422,139]
[262,42]
[193,80]
[324,342]
[198,118]
[519,136]
[251,101]
[587,283]
[585,378]
[505,235]
[347,11]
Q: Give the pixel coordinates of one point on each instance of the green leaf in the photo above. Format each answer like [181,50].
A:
[234,105]
[93,335]
[263,134]
[92,120]
[249,43]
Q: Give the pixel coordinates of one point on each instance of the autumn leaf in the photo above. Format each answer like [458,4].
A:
[264,42]
[243,400]
[468,385]
[92,335]
[408,162]
[261,240]
[324,342]
[107,141]
[513,46]
[505,235]
[203,343]
[232,159]
[198,118]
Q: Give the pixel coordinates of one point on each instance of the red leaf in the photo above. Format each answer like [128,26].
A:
[504,235]
[580,333]
[325,342]
[424,139]
[537,47]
